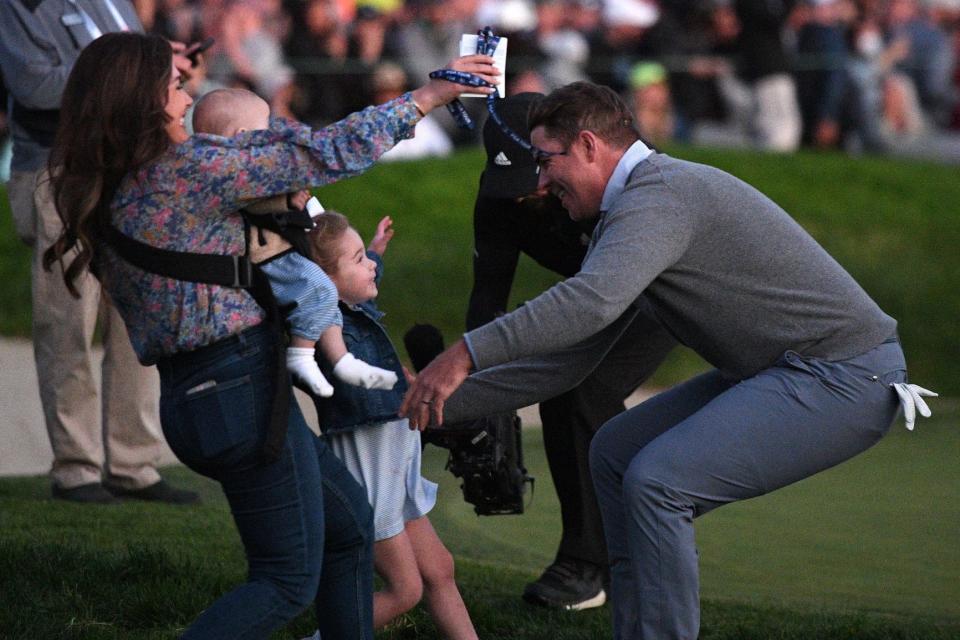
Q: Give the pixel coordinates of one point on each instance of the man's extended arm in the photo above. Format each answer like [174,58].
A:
[524,382]
[631,248]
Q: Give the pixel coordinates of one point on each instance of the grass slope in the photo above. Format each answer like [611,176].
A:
[866,550]
[893,225]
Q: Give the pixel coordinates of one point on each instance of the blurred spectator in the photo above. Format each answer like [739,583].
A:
[763,88]
[389,81]
[517,21]
[821,71]
[428,40]
[585,17]
[6,145]
[178,20]
[955,37]
[869,75]
[567,51]
[527,80]
[384,7]
[368,36]
[146,10]
[883,103]
[251,54]
[902,115]
[212,13]
[507,16]
[431,38]
[651,102]
[622,39]
[930,61]
[326,90]
[691,45]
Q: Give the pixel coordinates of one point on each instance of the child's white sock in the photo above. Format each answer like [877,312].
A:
[303,367]
[361,374]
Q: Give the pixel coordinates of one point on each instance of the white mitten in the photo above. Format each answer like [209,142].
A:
[361,374]
[303,367]
[911,402]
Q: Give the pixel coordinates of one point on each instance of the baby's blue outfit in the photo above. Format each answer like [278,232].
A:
[296,278]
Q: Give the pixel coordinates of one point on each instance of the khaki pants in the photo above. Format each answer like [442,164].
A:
[113,436]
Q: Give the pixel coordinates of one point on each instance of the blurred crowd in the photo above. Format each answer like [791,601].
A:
[875,76]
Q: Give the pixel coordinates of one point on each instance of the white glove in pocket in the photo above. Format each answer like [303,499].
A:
[912,402]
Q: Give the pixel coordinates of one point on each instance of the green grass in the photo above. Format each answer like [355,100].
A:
[893,224]
[866,550]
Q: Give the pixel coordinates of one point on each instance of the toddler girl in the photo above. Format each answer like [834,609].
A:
[377,446]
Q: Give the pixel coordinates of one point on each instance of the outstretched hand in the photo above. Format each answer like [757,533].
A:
[382,236]
[439,92]
[423,404]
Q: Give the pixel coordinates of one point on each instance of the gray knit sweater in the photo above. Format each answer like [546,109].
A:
[724,269]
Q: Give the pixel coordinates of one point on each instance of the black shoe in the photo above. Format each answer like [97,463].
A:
[92,493]
[159,491]
[568,584]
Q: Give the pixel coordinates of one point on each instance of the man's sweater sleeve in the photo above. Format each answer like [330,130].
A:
[518,384]
[631,246]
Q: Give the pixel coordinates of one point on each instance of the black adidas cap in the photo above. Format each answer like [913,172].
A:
[511,171]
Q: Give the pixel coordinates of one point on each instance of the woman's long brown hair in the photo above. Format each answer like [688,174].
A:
[112,121]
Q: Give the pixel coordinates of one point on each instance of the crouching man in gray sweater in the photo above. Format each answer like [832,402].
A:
[804,359]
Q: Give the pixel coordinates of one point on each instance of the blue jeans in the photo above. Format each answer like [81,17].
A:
[709,442]
[306,525]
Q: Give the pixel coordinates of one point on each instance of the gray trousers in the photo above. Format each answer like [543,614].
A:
[710,441]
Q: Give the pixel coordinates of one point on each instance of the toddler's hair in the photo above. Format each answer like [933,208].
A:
[325,237]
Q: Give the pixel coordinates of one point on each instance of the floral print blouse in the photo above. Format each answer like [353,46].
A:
[187,200]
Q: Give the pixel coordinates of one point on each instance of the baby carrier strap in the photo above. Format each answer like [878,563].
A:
[228,271]
[290,225]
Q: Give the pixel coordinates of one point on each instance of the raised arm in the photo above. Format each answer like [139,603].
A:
[290,156]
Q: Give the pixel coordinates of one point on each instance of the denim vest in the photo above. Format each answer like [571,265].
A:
[351,407]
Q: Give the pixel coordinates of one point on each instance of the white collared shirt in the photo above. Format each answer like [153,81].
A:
[637,153]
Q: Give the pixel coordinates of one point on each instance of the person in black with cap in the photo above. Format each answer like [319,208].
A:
[511,217]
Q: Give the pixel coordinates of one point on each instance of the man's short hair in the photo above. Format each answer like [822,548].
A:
[580,106]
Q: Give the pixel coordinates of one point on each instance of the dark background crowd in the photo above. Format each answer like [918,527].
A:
[876,76]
